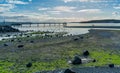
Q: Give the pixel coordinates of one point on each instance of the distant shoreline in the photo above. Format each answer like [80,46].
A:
[100,21]
[6,28]
[92,26]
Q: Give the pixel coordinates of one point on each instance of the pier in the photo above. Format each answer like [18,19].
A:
[58,24]
[46,24]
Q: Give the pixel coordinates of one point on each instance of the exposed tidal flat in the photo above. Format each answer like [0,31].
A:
[53,53]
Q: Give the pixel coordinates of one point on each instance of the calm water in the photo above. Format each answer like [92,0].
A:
[56,28]
[70,30]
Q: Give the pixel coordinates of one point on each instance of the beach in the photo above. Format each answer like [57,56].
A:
[53,52]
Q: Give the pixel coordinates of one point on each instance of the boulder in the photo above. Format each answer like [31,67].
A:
[111,65]
[20,46]
[29,65]
[31,41]
[75,39]
[81,37]
[76,61]
[94,60]
[5,44]
[28,36]
[68,71]
[12,40]
[3,39]
[86,53]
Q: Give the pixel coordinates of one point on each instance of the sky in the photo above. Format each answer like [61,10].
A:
[58,10]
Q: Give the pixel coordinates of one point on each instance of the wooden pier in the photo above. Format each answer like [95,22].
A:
[57,24]
[39,24]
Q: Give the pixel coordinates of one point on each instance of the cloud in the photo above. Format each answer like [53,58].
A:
[79,1]
[117,7]
[54,12]
[67,1]
[89,1]
[30,0]
[90,11]
[64,8]
[16,2]
[116,13]
[24,17]
[6,7]
[35,17]
[43,9]
[66,19]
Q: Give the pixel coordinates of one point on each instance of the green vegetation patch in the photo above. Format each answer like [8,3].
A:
[104,58]
[45,66]
[5,67]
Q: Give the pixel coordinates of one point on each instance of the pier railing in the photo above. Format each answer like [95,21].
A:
[64,24]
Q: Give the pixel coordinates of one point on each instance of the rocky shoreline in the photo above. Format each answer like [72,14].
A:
[52,53]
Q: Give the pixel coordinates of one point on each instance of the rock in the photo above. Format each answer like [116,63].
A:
[76,61]
[12,40]
[3,39]
[111,65]
[5,44]
[19,40]
[20,46]
[68,71]
[75,39]
[69,62]
[29,65]
[94,60]
[86,53]
[8,35]
[81,37]
[31,41]
[28,36]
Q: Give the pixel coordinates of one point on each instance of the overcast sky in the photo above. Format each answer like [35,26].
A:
[59,10]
